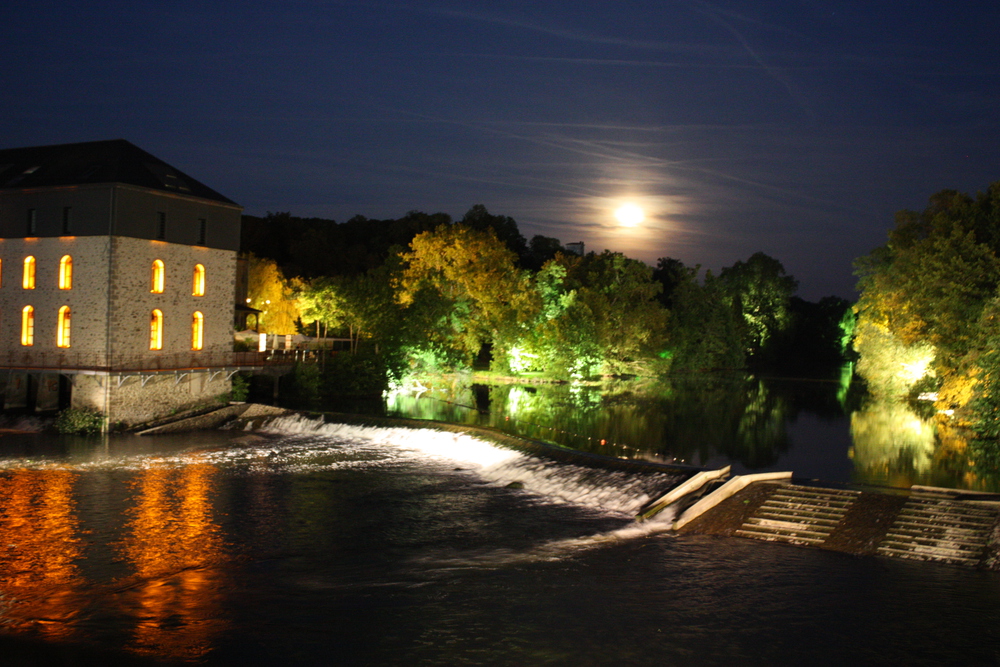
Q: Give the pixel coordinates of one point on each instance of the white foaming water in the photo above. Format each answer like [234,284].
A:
[609,490]
[297,444]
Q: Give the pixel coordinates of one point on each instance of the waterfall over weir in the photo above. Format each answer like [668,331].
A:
[584,483]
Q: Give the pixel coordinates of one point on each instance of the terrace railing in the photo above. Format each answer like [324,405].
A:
[70,361]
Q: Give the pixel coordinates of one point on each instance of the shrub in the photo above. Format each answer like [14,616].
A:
[80,421]
[241,387]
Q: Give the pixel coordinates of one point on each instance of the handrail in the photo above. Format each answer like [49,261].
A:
[153,361]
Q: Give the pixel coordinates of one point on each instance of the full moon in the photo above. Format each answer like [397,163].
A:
[630,215]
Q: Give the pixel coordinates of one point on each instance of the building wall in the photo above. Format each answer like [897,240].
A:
[133,302]
[89,210]
[137,215]
[88,298]
[120,210]
[162,395]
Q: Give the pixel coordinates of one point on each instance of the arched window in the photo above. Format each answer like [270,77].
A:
[156,330]
[28,326]
[198,284]
[197,330]
[28,281]
[66,272]
[62,330]
[157,276]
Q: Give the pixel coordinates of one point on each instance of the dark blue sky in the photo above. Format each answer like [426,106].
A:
[793,128]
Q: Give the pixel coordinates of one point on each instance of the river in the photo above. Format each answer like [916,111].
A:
[817,429]
[313,543]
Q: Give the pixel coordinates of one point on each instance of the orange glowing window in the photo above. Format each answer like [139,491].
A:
[156,330]
[197,330]
[158,277]
[28,326]
[198,284]
[66,272]
[28,281]
[62,330]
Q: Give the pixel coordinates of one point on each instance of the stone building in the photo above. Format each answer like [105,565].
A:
[117,282]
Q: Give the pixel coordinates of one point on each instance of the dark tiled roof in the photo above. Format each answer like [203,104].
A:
[115,161]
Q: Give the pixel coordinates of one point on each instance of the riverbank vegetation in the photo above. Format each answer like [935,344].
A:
[425,294]
[929,316]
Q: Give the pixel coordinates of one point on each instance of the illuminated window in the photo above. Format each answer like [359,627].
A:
[62,332]
[156,330]
[157,276]
[66,272]
[197,330]
[198,286]
[28,326]
[28,282]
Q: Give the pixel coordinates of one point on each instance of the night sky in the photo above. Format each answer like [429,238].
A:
[792,128]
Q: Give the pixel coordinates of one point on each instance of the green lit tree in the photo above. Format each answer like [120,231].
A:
[470,284]
[759,290]
[705,331]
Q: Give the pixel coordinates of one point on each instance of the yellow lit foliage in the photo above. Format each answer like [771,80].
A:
[888,364]
[493,300]
[272,294]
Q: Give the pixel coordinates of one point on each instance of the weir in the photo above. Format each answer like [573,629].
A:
[922,523]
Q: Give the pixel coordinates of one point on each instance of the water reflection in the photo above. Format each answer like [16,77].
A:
[39,549]
[175,548]
[688,420]
[892,445]
[709,419]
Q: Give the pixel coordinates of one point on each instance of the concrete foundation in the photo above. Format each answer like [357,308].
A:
[141,399]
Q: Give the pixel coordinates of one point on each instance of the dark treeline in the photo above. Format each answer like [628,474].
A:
[314,247]
[426,293]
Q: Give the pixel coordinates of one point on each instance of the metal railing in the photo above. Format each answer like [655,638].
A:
[98,362]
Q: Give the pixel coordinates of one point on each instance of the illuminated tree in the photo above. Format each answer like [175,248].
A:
[470,281]
[927,288]
[503,226]
[760,291]
[272,294]
[705,329]
[598,315]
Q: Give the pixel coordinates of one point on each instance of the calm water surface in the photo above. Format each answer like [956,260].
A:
[817,429]
[325,544]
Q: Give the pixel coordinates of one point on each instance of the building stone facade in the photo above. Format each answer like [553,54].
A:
[123,340]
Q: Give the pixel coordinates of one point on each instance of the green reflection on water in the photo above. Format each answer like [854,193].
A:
[713,418]
[689,420]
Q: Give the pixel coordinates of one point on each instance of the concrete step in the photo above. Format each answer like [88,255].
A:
[920,554]
[942,530]
[798,515]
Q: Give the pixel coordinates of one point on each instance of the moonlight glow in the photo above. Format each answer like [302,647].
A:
[630,215]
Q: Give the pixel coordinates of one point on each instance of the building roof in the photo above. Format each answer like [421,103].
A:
[115,161]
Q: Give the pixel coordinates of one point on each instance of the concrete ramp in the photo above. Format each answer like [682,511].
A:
[940,529]
[926,523]
[798,515]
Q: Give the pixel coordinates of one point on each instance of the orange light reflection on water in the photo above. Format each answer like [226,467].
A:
[39,548]
[177,552]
